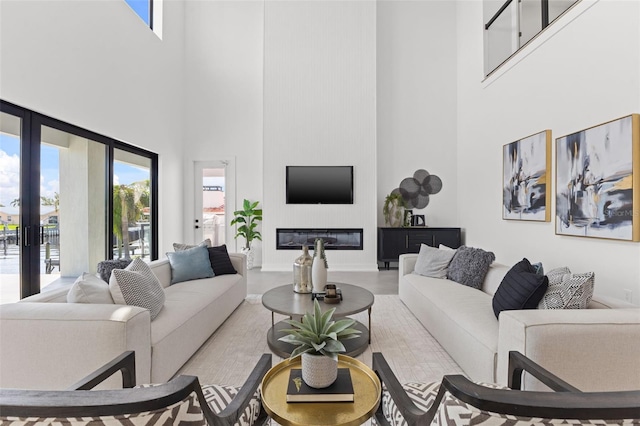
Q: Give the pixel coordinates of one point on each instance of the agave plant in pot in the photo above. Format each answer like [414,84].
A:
[319,340]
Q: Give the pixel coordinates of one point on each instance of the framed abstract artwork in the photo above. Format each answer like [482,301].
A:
[597,181]
[526,172]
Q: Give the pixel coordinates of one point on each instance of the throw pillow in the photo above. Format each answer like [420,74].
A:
[137,286]
[470,265]
[89,289]
[106,266]
[433,262]
[190,264]
[567,290]
[521,288]
[220,260]
[182,246]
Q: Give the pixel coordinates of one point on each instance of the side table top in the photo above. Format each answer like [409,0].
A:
[366,387]
[283,300]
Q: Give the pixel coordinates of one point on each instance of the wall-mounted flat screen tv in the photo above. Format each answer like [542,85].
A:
[319,185]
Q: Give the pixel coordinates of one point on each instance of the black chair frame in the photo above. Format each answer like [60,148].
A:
[567,402]
[77,401]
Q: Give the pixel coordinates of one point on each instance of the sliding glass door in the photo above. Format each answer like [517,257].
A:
[62,193]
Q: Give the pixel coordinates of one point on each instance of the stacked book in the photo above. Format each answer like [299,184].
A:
[339,391]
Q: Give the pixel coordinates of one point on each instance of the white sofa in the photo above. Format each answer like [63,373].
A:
[47,343]
[593,349]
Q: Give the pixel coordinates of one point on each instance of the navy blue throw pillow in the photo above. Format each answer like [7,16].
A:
[521,288]
[220,261]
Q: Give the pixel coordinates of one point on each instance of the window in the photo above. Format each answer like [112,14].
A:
[509,25]
[144,9]
[58,188]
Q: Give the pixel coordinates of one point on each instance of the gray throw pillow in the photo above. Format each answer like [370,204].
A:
[567,290]
[190,264]
[182,246]
[470,265]
[137,286]
[89,289]
[106,266]
[433,262]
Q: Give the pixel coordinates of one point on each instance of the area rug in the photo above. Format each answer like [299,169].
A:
[232,351]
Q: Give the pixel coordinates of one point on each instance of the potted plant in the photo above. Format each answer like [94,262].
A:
[248,219]
[393,209]
[319,341]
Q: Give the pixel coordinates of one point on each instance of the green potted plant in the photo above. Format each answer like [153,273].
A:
[248,219]
[393,209]
[319,340]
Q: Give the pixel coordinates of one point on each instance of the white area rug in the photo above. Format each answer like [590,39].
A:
[232,351]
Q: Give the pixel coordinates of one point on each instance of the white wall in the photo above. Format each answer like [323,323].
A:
[416,101]
[585,74]
[95,64]
[319,109]
[223,108]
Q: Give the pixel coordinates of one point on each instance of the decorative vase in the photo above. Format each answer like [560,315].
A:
[319,371]
[319,267]
[302,272]
[249,253]
[396,215]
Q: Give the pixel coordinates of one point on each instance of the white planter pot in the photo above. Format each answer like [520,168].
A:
[318,275]
[319,371]
[249,253]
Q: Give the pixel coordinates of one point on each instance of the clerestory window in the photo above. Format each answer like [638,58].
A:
[511,24]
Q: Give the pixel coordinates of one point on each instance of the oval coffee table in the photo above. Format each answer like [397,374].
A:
[283,300]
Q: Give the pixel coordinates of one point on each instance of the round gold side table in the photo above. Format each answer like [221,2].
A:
[366,389]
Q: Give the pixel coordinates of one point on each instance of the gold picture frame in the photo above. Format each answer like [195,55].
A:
[526,178]
[597,181]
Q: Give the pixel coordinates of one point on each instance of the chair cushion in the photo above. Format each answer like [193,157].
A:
[218,397]
[452,411]
[187,411]
[422,394]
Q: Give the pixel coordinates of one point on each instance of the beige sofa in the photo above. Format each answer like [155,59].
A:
[593,349]
[47,343]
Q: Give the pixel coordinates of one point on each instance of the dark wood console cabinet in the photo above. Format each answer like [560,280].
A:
[392,242]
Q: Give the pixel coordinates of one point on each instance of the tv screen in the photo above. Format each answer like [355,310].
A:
[319,184]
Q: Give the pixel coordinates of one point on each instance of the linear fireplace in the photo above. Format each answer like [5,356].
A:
[334,239]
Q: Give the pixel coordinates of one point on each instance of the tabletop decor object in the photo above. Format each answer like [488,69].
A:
[302,272]
[319,340]
[394,210]
[319,266]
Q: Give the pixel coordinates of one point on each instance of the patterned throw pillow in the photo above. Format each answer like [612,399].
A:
[89,289]
[220,261]
[106,266]
[190,264]
[470,265]
[219,397]
[182,246]
[567,290]
[433,262]
[137,286]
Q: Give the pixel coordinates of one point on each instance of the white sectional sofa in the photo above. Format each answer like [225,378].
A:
[593,349]
[47,343]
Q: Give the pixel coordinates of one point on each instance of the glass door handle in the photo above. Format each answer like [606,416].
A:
[25,236]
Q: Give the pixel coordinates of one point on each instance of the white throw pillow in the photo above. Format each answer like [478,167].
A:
[433,262]
[137,286]
[89,289]
[567,290]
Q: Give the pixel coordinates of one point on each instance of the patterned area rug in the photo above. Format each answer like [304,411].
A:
[232,351]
